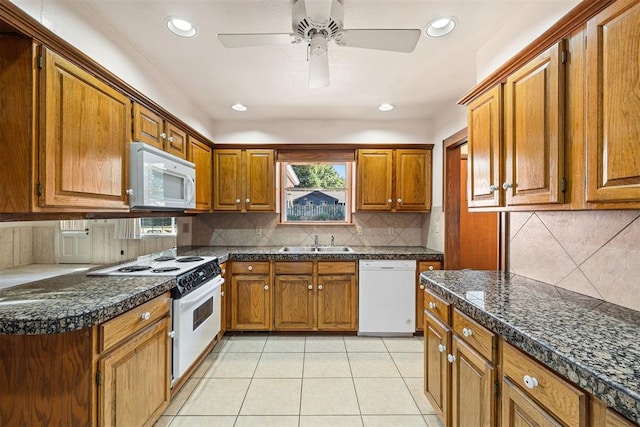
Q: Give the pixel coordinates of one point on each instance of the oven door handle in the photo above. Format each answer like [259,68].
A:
[197,296]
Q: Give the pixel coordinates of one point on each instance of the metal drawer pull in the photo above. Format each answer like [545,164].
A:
[266,287]
[320,287]
[145,316]
[310,287]
[250,268]
[432,305]
[172,334]
[451,358]
[441,348]
[530,382]
[467,332]
[431,267]
[421,286]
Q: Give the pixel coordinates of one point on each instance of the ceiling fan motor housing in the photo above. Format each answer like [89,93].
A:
[305,27]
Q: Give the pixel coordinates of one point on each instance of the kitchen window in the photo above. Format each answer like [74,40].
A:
[316,192]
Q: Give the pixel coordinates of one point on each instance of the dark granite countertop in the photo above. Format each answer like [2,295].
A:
[592,343]
[76,301]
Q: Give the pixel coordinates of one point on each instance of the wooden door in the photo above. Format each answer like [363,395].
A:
[613,104]
[474,388]
[84,139]
[200,155]
[136,378]
[413,180]
[260,176]
[484,120]
[294,303]
[250,302]
[176,142]
[148,127]
[534,136]
[337,303]
[374,180]
[437,370]
[227,180]
[520,410]
[423,266]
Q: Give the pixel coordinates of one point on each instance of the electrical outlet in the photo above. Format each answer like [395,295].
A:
[122,252]
[359,229]
[258,231]
[390,231]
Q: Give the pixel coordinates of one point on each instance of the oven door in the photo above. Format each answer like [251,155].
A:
[196,322]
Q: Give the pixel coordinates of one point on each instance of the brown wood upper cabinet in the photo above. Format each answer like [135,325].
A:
[244,180]
[201,155]
[150,128]
[393,180]
[84,139]
[529,168]
[613,105]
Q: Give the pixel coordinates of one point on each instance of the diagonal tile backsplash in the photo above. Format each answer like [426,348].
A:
[596,253]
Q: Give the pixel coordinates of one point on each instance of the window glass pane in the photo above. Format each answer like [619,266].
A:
[158,226]
[316,192]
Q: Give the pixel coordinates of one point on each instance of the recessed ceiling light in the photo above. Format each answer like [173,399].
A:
[239,107]
[441,26]
[385,107]
[181,27]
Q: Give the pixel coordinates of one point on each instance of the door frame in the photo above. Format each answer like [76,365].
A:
[450,207]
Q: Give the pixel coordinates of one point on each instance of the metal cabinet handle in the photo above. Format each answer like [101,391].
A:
[507,185]
[399,200]
[493,188]
[221,293]
[129,191]
[389,201]
[467,332]
[237,201]
[163,135]
[431,267]
[145,316]
[432,305]
[170,139]
[451,358]
[530,382]
[421,286]
[266,287]
[172,334]
[442,348]
[250,268]
[310,287]
[248,201]
[320,287]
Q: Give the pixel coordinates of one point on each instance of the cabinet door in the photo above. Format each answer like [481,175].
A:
[294,303]
[260,175]
[85,133]
[518,409]
[437,371]
[374,180]
[422,266]
[176,142]
[136,376]
[473,398]
[250,302]
[413,180]
[337,303]
[227,180]
[200,155]
[613,104]
[534,137]
[147,126]
[484,122]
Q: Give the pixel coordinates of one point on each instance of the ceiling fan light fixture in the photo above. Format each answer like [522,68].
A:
[239,107]
[385,107]
[441,26]
[181,27]
[318,45]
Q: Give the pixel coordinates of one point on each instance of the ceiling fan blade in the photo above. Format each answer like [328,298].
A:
[264,39]
[319,11]
[319,70]
[392,39]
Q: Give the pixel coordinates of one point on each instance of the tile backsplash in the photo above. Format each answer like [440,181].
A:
[596,253]
[263,229]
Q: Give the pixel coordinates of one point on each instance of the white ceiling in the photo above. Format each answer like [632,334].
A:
[272,80]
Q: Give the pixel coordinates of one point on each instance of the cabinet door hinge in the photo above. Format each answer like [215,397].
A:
[563,56]
[563,185]
[99,378]
[39,189]
[40,62]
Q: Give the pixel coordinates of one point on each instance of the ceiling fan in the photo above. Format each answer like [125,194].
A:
[317,22]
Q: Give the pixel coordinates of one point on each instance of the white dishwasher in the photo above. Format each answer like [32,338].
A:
[387,298]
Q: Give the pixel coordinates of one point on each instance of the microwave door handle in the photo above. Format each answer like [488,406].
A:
[191,188]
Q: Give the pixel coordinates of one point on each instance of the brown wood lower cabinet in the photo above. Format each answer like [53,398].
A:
[518,409]
[437,371]
[423,266]
[294,303]
[337,303]
[116,373]
[250,296]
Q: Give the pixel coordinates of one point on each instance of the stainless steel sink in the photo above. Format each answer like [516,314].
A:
[298,249]
[312,249]
[334,249]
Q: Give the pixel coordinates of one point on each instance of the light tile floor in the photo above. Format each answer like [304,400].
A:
[306,381]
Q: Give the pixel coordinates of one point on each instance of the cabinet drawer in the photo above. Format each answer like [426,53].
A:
[480,338]
[429,265]
[294,267]
[437,306]
[336,267]
[566,402]
[244,267]
[115,330]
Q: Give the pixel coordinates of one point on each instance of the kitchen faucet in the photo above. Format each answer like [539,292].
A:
[333,241]
[315,241]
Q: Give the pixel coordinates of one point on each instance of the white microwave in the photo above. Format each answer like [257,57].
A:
[159,180]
